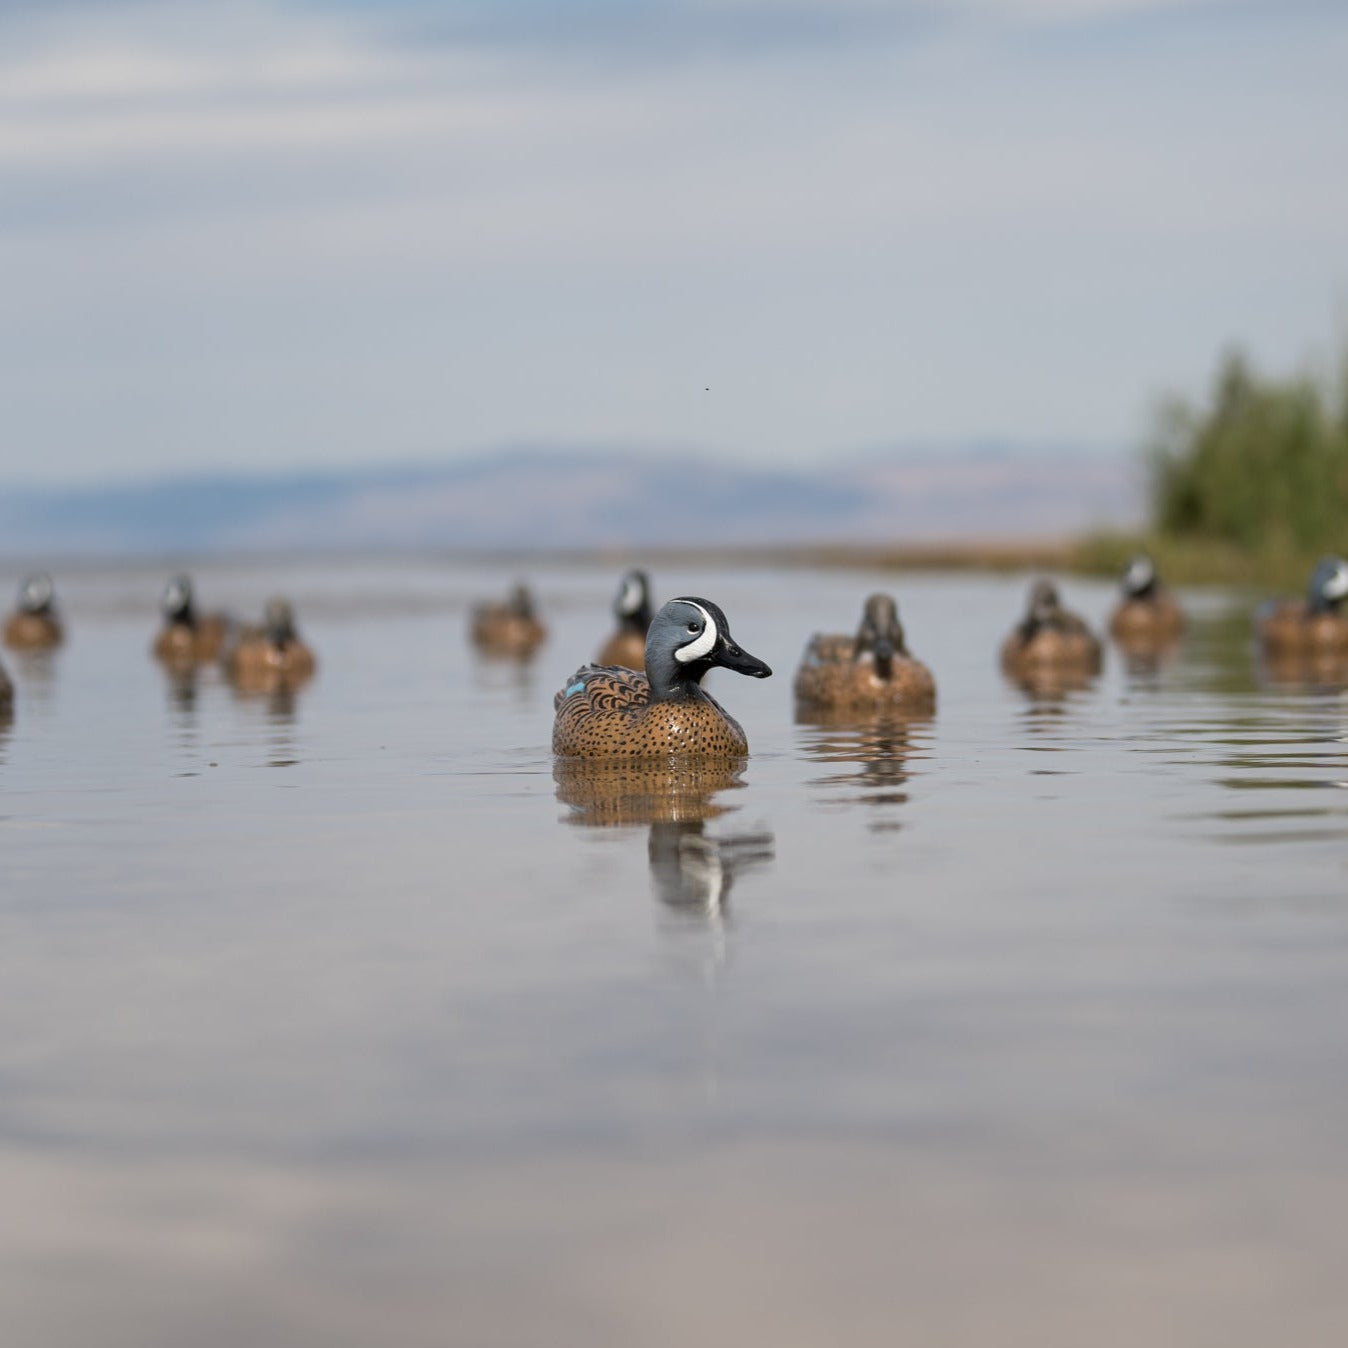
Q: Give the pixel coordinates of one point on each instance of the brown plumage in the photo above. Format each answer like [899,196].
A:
[1051,645]
[509,629]
[1147,617]
[603,793]
[186,638]
[614,713]
[271,657]
[1314,626]
[35,624]
[869,671]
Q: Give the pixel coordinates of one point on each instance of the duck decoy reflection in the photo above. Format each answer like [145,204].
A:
[694,872]
[882,743]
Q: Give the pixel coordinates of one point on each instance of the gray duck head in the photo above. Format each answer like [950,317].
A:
[1045,608]
[632,603]
[176,603]
[1329,586]
[521,602]
[1140,579]
[688,638]
[279,621]
[880,633]
[37,594]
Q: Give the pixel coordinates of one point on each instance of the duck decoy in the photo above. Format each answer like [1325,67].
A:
[1147,613]
[35,624]
[187,638]
[509,629]
[6,693]
[1315,625]
[605,711]
[1050,644]
[271,657]
[869,671]
[632,608]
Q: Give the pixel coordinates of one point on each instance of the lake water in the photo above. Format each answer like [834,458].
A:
[341,1020]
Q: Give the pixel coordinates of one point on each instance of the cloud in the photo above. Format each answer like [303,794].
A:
[251,232]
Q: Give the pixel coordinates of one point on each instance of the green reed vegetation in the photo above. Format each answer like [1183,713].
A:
[1251,486]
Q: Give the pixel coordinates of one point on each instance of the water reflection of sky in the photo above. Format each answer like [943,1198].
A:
[1024,988]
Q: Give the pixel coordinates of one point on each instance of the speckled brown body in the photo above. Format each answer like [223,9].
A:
[257,664]
[626,647]
[33,631]
[1051,649]
[611,715]
[181,645]
[1291,629]
[1156,620]
[499,630]
[830,675]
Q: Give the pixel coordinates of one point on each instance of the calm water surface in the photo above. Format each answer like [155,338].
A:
[344,1019]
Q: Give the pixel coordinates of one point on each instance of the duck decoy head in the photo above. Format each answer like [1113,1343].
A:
[37,593]
[1045,608]
[279,621]
[688,638]
[1329,585]
[521,602]
[176,603]
[1140,578]
[632,604]
[880,633]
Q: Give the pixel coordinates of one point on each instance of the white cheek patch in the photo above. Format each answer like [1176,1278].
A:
[1336,587]
[631,597]
[705,641]
[1140,574]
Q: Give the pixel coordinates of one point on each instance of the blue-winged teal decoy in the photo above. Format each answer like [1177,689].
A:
[187,637]
[1050,640]
[511,628]
[35,624]
[1315,625]
[610,712]
[6,693]
[632,608]
[868,671]
[1147,612]
[271,657]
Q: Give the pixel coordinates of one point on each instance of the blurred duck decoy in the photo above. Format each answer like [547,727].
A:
[868,671]
[6,693]
[510,629]
[632,608]
[187,638]
[1050,640]
[1315,625]
[605,711]
[35,624]
[1147,612]
[270,657]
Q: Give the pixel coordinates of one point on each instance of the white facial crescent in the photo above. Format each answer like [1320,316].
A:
[1336,587]
[631,596]
[705,640]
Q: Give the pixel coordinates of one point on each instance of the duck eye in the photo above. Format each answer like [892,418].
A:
[694,627]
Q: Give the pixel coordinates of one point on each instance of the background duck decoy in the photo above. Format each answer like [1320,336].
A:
[509,629]
[6,693]
[1317,624]
[1147,613]
[187,637]
[632,608]
[35,624]
[871,670]
[271,657]
[605,711]
[1051,649]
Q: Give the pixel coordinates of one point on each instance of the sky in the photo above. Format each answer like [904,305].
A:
[303,234]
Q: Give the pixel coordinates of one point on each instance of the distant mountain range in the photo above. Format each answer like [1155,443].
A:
[552,499]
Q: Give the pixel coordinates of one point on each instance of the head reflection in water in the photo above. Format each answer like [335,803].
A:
[692,871]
